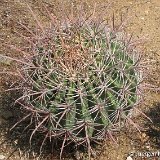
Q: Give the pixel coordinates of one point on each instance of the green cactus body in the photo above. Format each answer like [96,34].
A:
[85,79]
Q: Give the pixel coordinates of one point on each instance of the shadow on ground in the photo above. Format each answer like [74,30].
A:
[17,138]
[154,128]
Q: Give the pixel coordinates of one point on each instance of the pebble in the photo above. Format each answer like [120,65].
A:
[2,157]
[5,61]
[129,158]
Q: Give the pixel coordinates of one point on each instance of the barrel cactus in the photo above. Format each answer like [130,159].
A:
[81,80]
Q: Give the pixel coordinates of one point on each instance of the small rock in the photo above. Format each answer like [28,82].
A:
[142,18]
[129,158]
[78,155]
[2,157]
[146,12]
[5,60]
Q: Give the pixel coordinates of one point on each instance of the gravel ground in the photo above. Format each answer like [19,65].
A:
[143,22]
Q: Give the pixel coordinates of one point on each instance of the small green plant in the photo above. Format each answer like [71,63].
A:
[81,80]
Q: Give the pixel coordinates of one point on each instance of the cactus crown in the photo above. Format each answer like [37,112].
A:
[85,78]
